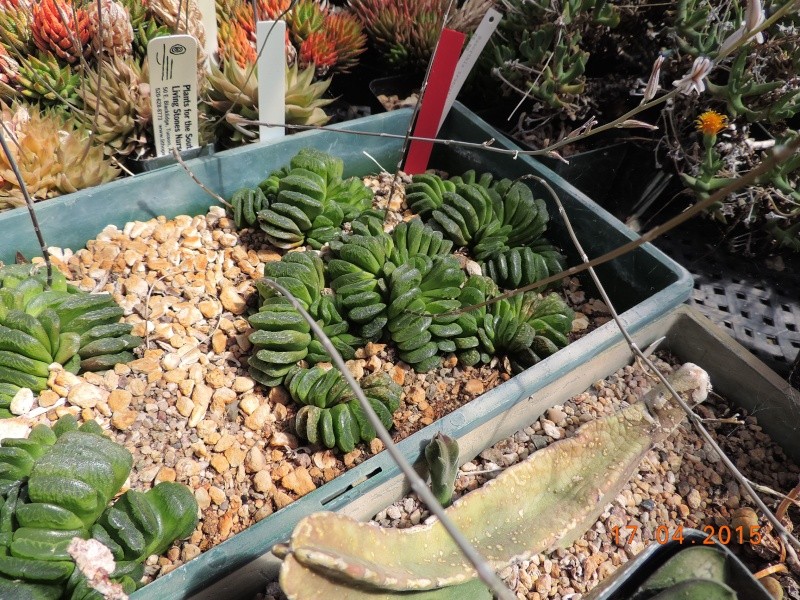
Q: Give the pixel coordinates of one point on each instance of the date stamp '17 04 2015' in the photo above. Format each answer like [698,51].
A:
[663,534]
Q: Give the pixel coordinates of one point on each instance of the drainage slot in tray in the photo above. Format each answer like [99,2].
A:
[358,482]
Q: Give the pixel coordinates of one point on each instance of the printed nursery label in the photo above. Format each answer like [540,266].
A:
[173,92]
[271,48]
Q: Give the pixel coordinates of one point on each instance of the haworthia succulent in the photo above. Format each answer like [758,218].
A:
[543,503]
[56,485]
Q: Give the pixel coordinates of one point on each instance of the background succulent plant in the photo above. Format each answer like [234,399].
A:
[78,330]
[54,155]
[538,49]
[404,32]
[56,485]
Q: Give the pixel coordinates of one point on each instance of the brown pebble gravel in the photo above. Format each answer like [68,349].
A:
[187,409]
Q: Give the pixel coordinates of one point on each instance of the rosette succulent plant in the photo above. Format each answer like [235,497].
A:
[331,415]
[232,88]
[64,325]
[56,485]
[54,155]
[499,222]
[404,33]
[304,203]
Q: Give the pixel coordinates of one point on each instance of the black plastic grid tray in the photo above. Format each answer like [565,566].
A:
[759,307]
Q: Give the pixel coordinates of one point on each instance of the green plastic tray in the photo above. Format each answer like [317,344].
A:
[645,284]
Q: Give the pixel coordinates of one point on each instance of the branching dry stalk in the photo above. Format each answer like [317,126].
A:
[29,204]
[418,485]
[203,187]
[785,535]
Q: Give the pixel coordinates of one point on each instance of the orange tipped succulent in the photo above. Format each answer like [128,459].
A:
[234,42]
[318,49]
[305,18]
[61,29]
[272,9]
[348,37]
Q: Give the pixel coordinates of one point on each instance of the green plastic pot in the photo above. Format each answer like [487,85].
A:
[644,285]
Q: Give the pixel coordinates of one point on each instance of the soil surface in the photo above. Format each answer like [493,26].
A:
[679,484]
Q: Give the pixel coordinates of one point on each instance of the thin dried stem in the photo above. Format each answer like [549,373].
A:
[29,203]
[696,421]
[483,569]
[207,190]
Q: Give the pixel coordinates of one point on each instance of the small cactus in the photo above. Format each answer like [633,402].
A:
[441,454]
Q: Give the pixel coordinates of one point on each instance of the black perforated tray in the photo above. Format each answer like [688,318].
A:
[759,307]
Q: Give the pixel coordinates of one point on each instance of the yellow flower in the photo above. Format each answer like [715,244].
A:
[711,122]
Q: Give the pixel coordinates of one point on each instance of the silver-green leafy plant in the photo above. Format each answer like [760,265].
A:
[538,49]
[62,324]
[56,485]
[531,507]
[331,415]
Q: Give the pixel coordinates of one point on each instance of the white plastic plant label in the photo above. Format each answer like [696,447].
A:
[271,46]
[470,56]
[173,92]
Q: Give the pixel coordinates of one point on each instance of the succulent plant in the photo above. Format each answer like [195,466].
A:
[145,27]
[747,94]
[305,203]
[15,28]
[55,485]
[234,88]
[282,337]
[533,506]
[304,97]
[60,28]
[305,18]
[181,17]
[54,155]
[348,38]
[119,109]
[404,33]
[116,37]
[500,222]
[44,79]
[441,454]
[405,285]
[319,51]
[329,40]
[538,49]
[234,43]
[430,287]
[331,414]
[64,325]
